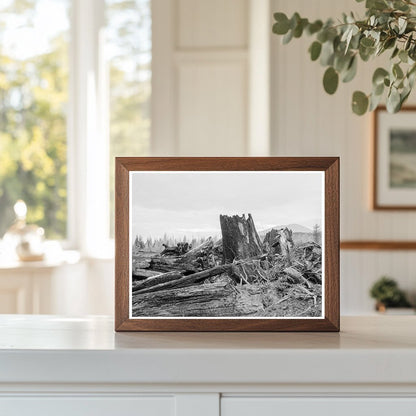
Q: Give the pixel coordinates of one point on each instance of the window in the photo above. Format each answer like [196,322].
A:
[33,99]
[129,43]
[75,87]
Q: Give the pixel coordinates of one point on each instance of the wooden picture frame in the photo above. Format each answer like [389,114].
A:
[130,168]
[391,177]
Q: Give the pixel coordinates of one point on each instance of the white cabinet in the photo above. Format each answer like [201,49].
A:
[88,406]
[271,406]
[38,287]
[80,366]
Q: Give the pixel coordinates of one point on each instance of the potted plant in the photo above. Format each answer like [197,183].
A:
[387,294]
[389,27]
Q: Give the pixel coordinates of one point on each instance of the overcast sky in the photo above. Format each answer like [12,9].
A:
[189,203]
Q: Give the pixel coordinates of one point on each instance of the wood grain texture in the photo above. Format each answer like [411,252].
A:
[330,165]
[376,204]
[378,245]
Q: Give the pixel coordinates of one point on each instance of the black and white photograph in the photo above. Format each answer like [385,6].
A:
[226,244]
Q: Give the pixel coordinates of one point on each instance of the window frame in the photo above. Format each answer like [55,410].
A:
[87,133]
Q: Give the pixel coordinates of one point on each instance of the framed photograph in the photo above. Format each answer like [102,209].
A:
[227,244]
[394,176]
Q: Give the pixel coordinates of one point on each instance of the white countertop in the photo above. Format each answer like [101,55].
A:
[52,349]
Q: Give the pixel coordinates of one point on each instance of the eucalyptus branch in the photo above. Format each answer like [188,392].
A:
[389,25]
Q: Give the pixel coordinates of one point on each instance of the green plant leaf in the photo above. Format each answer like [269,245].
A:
[403,56]
[341,61]
[327,53]
[298,30]
[314,27]
[395,52]
[393,101]
[330,80]
[315,50]
[379,75]
[397,71]
[389,43]
[351,71]
[281,27]
[367,42]
[374,102]
[376,4]
[408,42]
[288,37]
[359,103]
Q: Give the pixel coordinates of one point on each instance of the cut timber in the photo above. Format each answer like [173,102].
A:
[195,260]
[157,280]
[214,299]
[170,263]
[239,237]
[186,280]
[143,273]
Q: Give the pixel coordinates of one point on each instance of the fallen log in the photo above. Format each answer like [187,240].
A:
[187,280]
[144,273]
[208,300]
[157,280]
[167,264]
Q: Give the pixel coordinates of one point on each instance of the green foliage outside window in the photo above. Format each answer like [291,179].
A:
[33,99]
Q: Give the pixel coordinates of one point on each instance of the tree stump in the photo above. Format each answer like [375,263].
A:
[239,238]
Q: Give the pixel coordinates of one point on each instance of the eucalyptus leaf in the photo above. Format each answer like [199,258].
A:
[341,62]
[330,80]
[351,70]
[393,101]
[315,50]
[408,42]
[359,103]
[281,27]
[389,43]
[288,37]
[376,4]
[314,27]
[403,56]
[327,53]
[378,89]
[402,22]
[379,75]
[395,52]
[374,101]
[397,71]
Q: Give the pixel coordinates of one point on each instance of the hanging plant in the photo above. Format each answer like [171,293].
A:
[389,27]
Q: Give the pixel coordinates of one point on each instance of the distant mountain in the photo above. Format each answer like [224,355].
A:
[296,228]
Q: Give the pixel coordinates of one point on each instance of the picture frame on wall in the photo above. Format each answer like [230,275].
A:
[227,244]
[394,159]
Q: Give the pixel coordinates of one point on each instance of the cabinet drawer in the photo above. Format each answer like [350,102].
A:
[273,406]
[88,406]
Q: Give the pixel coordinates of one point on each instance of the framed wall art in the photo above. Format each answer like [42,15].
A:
[227,244]
[394,159]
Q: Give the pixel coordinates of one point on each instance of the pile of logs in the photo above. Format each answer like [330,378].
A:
[229,277]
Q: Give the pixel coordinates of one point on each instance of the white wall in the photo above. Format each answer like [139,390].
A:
[210,88]
[201,83]
[308,122]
